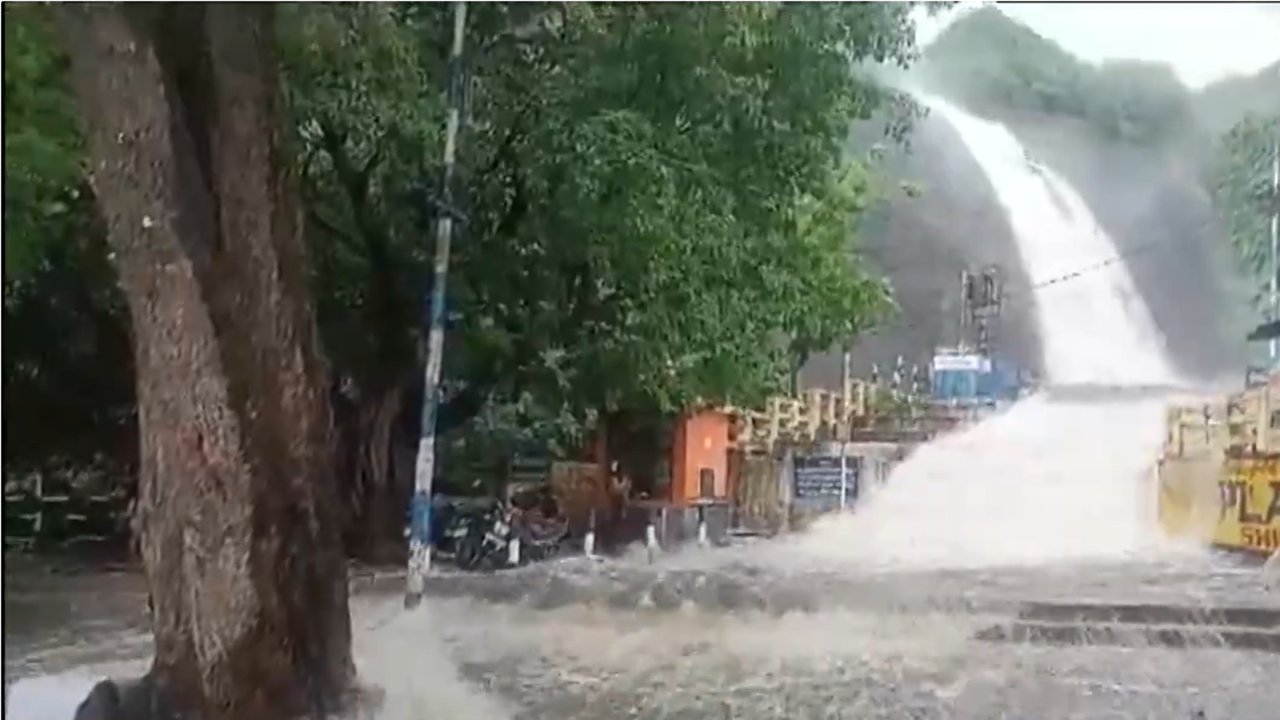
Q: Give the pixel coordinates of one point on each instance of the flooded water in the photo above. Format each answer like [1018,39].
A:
[1033,527]
[731,633]
[1044,483]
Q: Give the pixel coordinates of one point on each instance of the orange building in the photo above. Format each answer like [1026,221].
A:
[700,458]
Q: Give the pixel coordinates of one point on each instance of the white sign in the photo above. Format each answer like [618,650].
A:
[975,363]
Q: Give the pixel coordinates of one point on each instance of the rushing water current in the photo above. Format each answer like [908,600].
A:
[1047,481]
[877,614]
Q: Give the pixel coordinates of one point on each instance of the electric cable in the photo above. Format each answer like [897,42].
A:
[1139,249]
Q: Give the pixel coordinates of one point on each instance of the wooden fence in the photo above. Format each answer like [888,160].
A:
[51,510]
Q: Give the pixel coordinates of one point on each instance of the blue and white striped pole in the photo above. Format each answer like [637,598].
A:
[424,469]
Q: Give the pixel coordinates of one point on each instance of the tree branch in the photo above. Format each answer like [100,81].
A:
[315,216]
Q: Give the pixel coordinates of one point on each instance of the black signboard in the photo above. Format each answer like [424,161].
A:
[817,480]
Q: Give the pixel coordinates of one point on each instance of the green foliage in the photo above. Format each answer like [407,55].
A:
[42,175]
[660,204]
[671,201]
[68,372]
[986,59]
[366,110]
[658,207]
[1243,193]
[68,365]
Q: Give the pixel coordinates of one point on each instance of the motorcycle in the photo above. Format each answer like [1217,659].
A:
[483,541]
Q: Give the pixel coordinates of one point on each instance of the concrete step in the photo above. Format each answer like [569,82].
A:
[1133,636]
[1141,625]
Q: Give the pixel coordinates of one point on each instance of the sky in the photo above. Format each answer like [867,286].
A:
[1203,42]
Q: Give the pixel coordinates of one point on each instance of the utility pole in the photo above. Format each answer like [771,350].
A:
[846,392]
[1275,238]
[424,469]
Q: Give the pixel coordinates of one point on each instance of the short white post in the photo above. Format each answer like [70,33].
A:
[513,551]
[844,478]
[651,538]
[589,542]
[1264,419]
[703,540]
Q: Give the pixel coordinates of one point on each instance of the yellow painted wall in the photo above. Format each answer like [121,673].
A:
[1218,479]
[1249,504]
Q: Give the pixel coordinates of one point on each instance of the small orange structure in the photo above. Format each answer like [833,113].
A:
[699,457]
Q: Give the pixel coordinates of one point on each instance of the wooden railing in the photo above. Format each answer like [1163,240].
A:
[44,511]
[1240,424]
[825,416]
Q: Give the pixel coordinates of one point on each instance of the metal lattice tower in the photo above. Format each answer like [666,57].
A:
[981,301]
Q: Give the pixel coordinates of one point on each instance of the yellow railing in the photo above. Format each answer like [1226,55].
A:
[1219,472]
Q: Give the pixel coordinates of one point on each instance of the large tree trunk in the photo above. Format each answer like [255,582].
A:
[385,510]
[375,508]
[237,506]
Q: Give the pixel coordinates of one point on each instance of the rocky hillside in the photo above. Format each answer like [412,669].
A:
[1132,140]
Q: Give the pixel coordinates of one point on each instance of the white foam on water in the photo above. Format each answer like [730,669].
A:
[48,697]
[1046,481]
[1042,483]
[403,654]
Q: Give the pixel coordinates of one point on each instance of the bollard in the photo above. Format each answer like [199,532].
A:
[589,542]
[651,538]
[513,551]
[1271,569]
[702,527]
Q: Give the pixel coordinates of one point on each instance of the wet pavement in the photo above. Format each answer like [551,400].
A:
[50,608]
[741,633]
[714,639]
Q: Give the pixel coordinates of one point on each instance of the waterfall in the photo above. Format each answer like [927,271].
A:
[1046,481]
[1096,327]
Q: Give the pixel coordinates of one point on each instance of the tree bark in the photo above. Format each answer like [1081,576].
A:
[237,503]
[376,509]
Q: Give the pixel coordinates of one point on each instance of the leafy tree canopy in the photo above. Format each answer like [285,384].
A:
[42,161]
[655,194]
[1243,193]
[658,200]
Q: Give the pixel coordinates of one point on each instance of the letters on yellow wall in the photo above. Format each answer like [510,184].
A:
[1249,504]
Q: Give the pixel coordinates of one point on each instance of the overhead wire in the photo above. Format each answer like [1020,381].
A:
[1138,249]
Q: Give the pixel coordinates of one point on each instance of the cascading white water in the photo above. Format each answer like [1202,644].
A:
[1046,481]
[1094,325]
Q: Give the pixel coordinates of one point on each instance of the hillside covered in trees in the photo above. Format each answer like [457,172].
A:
[1177,177]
